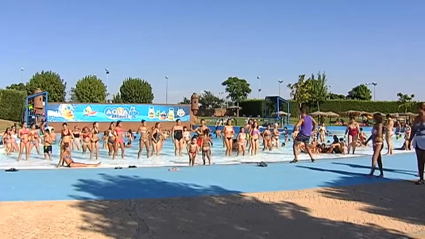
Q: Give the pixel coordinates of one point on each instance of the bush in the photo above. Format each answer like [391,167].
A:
[12,104]
[256,107]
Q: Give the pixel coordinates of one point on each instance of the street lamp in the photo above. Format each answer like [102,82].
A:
[280,83]
[259,86]
[166,89]
[22,75]
[374,86]
[107,81]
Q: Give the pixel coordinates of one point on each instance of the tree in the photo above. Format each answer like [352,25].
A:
[333,96]
[89,89]
[185,101]
[116,98]
[48,81]
[136,90]
[209,101]
[237,89]
[318,89]
[300,91]
[360,92]
[405,101]
[20,87]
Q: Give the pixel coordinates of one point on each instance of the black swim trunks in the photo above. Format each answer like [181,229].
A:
[302,138]
[47,149]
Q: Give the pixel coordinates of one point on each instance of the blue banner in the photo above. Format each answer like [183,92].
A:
[114,112]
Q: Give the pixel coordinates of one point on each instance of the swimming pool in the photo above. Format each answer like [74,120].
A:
[167,157]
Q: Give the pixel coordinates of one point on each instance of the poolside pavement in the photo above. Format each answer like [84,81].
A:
[364,211]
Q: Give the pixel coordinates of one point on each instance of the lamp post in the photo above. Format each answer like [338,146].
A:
[374,89]
[166,89]
[107,82]
[259,86]
[22,75]
[280,83]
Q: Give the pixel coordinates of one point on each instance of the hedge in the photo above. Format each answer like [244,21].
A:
[258,107]
[12,104]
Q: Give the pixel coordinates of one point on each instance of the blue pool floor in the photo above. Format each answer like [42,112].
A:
[108,184]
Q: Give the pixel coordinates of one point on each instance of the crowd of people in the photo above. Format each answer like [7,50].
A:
[308,137]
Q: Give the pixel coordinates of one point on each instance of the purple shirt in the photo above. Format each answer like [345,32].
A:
[307,125]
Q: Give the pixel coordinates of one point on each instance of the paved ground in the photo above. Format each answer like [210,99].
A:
[367,211]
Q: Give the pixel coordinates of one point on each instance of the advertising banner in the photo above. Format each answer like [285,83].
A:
[114,112]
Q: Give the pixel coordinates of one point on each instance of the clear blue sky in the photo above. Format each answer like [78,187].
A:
[199,43]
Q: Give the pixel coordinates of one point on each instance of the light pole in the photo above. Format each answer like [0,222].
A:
[280,83]
[107,82]
[259,86]
[166,89]
[374,89]
[22,75]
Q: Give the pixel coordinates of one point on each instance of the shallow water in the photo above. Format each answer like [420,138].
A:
[167,157]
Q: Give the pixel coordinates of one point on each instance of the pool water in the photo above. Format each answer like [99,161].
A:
[167,157]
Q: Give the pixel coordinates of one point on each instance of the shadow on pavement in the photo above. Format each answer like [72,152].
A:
[399,199]
[226,216]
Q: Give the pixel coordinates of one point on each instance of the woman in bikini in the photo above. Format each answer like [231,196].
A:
[94,140]
[7,141]
[407,132]
[86,140]
[241,142]
[34,139]
[156,139]
[119,139]
[13,139]
[377,140]
[76,142]
[192,151]
[200,133]
[267,139]
[144,139]
[24,144]
[177,133]
[248,129]
[353,131]
[206,147]
[389,131]
[66,158]
[276,135]
[66,138]
[255,138]
[111,139]
[322,133]
[229,134]
[186,136]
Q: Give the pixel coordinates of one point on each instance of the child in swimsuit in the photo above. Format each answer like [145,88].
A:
[192,151]
[206,146]
[47,144]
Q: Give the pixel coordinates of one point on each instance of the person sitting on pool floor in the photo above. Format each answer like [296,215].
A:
[66,158]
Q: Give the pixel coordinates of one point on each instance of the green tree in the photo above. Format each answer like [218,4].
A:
[318,89]
[301,91]
[48,81]
[136,90]
[360,92]
[20,87]
[185,101]
[116,99]
[209,101]
[89,89]
[405,101]
[237,89]
[333,96]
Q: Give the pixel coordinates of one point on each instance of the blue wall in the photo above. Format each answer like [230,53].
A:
[112,112]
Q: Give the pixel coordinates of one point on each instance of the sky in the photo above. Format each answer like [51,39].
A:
[200,43]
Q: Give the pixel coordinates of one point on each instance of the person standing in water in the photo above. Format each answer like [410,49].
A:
[378,145]
[119,141]
[389,127]
[353,130]
[418,133]
[177,134]
[303,130]
[229,133]
[143,140]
